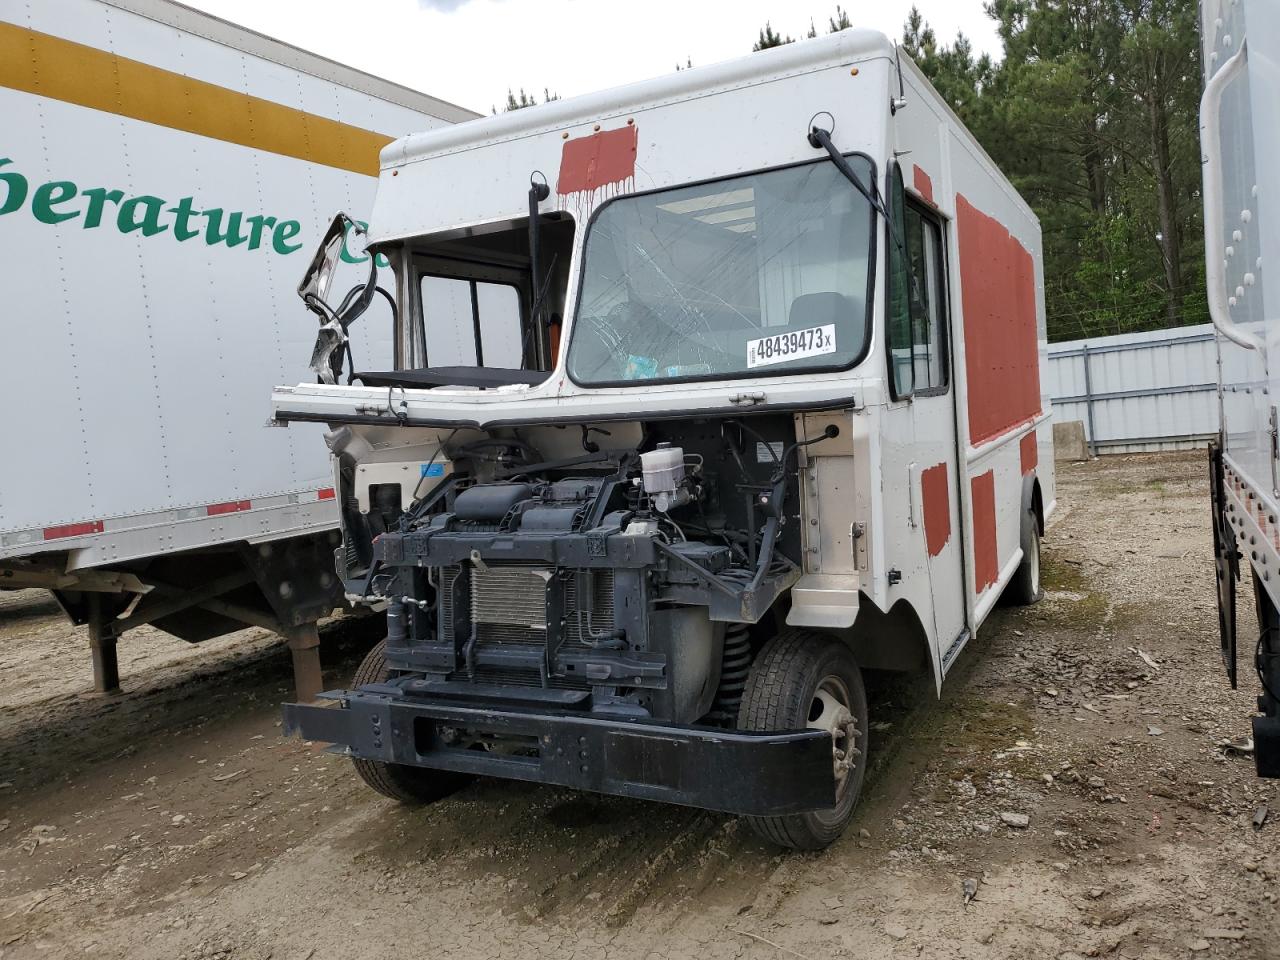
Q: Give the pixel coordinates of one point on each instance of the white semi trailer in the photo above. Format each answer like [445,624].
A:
[1240,137]
[164,176]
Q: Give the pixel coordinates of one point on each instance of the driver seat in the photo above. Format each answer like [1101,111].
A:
[819,309]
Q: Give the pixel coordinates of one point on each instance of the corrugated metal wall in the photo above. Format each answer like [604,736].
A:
[1139,391]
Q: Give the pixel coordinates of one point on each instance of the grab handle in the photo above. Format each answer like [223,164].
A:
[1214,227]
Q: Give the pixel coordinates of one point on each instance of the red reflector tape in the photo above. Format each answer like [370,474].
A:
[326,494]
[73,530]
[235,506]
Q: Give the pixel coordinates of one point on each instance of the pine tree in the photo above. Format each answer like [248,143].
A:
[519,102]
[769,39]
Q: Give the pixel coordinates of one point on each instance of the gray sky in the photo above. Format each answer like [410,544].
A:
[470,51]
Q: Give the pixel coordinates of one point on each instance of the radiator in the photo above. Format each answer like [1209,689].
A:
[509,603]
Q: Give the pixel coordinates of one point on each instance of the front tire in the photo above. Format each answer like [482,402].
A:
[409,785]
[802,679]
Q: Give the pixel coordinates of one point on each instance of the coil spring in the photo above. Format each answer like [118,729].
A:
[734,667]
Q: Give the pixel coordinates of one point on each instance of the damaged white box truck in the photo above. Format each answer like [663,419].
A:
[709,393]
[163,178]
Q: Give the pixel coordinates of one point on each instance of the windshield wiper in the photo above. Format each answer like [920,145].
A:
[822,138]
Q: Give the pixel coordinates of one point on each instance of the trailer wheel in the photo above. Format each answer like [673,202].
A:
[802,679]
[1024,588]
[409,785]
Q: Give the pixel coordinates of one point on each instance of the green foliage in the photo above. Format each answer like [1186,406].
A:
[768,39]
[1092,113]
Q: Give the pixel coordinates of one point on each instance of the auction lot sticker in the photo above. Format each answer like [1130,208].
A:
[792,345]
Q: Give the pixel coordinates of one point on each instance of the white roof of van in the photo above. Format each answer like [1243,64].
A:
[803,56]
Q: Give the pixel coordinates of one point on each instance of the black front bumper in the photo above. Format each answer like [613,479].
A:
[759,774]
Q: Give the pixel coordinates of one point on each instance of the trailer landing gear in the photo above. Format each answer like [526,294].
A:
[102,647]
[304,644]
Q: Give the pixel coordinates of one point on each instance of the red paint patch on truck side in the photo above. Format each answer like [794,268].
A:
[1030,453]
[998,293]
[923,185]
[936,497]
[986,556]
[604,158]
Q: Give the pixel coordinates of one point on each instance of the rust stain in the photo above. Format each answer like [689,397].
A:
[986,558]
[998,292]
[588,164]
[934,492]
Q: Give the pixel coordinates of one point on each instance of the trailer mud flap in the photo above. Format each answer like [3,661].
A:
[1266,746]
[1226,558]
[758,774]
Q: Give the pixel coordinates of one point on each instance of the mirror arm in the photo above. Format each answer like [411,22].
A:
[391,302]
[359,298]
[320,308]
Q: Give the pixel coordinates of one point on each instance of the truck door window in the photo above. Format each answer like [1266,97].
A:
[471,323]
[926,296]
[917,322]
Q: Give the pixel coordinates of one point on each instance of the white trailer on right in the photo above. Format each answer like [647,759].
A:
[1240,137]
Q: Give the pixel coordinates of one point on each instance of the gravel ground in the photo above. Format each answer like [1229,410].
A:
[1067,797]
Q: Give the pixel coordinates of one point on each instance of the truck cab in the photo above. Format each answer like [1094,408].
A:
[709,393]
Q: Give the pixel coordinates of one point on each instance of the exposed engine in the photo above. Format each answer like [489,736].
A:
[622,582]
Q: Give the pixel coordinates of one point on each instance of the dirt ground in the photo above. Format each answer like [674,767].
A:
[174,822]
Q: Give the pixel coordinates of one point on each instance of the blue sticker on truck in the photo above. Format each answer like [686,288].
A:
[433,469]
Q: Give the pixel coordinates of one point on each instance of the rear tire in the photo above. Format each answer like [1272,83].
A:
[1024,588]
[802,679]
[409,785]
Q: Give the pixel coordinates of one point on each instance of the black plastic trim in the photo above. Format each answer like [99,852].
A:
[735,771]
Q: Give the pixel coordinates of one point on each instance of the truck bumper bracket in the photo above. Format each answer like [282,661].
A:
[742,772]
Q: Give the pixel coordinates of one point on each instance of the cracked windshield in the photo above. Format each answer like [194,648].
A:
[756,275]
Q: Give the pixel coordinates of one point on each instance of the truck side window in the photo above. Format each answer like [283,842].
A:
[471,323]
[927,297]
[917,298]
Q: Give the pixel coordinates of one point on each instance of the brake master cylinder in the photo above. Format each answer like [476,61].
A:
[663,477]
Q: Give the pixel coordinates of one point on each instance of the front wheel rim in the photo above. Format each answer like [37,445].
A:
[830,711]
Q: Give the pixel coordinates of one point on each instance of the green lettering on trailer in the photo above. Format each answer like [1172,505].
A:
[59,201]
[15,189]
